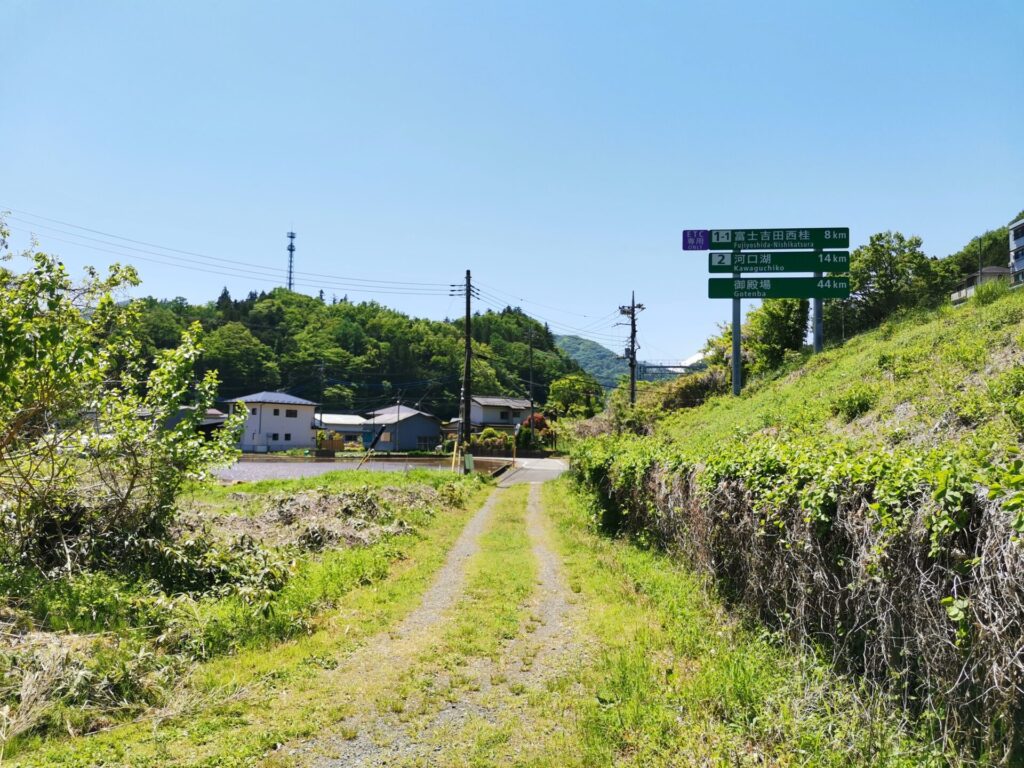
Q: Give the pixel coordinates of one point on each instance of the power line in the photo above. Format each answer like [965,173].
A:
[249,274]
[247,265]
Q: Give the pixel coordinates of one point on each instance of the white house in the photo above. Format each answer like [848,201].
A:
[276,421]
[498,412]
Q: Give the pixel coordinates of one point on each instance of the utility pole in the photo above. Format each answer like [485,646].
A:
[291,257]
[398,421]
[466,290]
[630,312]
[531,388]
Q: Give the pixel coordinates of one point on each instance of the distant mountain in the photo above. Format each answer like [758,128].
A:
[607,367]
[600,362]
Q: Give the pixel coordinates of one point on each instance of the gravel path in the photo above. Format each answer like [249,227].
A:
[490,692]
[388,654]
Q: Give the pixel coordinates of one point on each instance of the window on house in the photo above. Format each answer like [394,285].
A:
[503,415]
[277,411]
[1018,232]
[274,436]
[287,437]
[291,413]
[425,443]
[515,414]
[253,411]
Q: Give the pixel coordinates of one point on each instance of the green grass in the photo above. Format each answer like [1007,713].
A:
[920,376]
[331,602]
[679,681]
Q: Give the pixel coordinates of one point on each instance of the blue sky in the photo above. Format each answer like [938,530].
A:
[556,149]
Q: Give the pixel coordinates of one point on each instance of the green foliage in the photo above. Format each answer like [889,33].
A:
[577,395]
[772,329]
[242,362]
[94,443]
[855,401]
[890,273]
[603,364]
[352,356]
[993,290]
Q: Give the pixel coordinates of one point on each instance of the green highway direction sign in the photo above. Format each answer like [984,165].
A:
[778,239]
[779,261]
[778,288]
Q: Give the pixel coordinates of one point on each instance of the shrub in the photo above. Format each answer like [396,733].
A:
[989,292]
[855,401]
[95,442]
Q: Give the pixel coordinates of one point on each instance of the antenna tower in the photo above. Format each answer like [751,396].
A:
[291,257]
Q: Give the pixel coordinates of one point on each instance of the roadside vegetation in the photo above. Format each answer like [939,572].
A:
[120,567]
[864,503]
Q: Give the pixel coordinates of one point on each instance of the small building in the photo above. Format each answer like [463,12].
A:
[1016,233]
[276,421]
[402,428]
[498,412]
[342,428]
[965,290]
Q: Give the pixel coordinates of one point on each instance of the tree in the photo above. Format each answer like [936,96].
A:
[94,446]
[773,328]
[891,272]
[577,395]
[243,363]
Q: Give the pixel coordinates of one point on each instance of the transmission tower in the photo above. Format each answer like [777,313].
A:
[291,257]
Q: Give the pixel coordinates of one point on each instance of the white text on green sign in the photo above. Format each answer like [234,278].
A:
[779,239]
[779,261]
[779,288]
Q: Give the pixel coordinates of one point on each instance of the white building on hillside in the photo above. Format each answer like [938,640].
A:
[1016,231]
[276,421]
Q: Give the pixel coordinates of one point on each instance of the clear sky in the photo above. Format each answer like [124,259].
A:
[555,148]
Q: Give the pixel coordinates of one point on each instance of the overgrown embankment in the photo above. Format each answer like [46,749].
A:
[868,503]
[243,567]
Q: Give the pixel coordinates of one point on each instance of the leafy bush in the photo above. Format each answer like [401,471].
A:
[855,401]
[990,292]
[95,442]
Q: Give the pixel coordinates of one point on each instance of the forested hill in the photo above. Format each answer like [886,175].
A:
[600,362]
[357,357]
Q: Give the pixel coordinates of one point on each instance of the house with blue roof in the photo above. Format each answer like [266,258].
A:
[276,421]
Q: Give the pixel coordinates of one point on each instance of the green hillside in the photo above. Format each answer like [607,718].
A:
[868,501]
[601,363]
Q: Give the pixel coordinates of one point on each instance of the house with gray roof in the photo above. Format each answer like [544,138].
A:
[276,421]
[498,412]
[402,428]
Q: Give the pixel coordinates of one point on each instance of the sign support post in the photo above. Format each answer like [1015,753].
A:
[764,251]
[819,321]
[737,359]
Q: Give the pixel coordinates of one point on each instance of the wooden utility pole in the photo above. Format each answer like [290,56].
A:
[465,425]
[531,388]
[630,312]
[467,377]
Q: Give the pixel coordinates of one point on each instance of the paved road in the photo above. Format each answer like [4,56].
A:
[534,471]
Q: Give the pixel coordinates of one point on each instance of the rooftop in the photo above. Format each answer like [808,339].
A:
[340,419]
[514,403]
[405,410]
[276,398]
